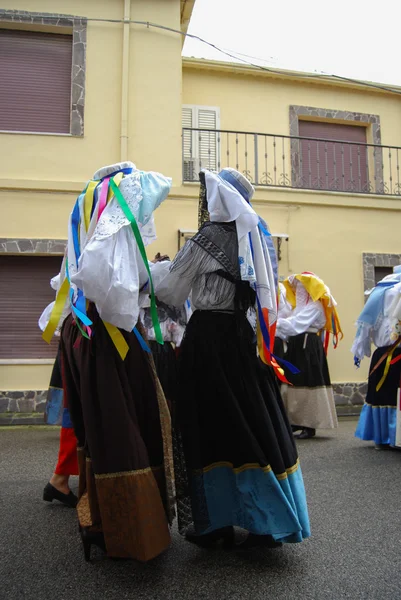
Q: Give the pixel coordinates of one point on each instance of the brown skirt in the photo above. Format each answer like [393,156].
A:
[123,427]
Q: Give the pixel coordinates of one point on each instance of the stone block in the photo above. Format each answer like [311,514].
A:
[4,404]
[15,395]
[41,396]
[40,407]
[12,247]
[25,405]
[357,399]
[340,400]
[363,389]
[13,405]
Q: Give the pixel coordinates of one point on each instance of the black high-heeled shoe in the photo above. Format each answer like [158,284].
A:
[50,493]
[259,541]
[92,538]
[306,433]
[209,540]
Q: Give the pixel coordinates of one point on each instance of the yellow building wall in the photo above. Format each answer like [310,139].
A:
[41,175]
[328,232]
[261,104]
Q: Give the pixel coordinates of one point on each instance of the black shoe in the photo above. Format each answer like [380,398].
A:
[208,540]
[259,541]
[306,433]
[92,538]
[295,428]
[50,493]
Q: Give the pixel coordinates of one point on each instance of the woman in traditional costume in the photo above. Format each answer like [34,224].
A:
[57,413]
[310,399]
[377,421]
[239,465]
[284,311]
[117,406]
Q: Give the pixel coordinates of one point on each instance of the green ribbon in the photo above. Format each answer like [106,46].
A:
[137,234]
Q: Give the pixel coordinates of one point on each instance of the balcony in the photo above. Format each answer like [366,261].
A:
[294,162]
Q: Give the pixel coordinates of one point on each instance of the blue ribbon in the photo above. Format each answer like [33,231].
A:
[263,228]
[79,307]
[126,171]
[78,310]
[140,339]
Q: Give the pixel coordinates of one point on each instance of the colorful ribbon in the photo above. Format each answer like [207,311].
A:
[134,226]
[88,198]
[117,339]
[388,357]
[57,311]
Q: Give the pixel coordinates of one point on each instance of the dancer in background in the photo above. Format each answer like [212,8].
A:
[309,400]
[241,462]
[284,311]
[67,464]
[377,421]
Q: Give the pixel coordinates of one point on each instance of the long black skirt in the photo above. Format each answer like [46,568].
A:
[241,462]
[377,420]
[309,401]
[165,360]
[122,424]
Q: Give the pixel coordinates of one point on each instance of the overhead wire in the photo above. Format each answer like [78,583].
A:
[237,56]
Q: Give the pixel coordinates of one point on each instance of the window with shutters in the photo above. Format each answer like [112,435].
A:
[333,156]
[24,293]
[200,140]
[42,73]
[35,71]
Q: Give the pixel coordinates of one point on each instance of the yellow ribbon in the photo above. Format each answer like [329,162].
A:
[386,369]
[58,307]
[117,339]
[88,202]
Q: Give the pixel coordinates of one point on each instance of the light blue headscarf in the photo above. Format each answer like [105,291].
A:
[373,310]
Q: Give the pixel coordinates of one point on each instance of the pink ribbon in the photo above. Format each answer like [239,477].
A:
[103,196]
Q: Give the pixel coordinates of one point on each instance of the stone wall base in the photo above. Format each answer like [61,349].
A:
[27,401]
[350,394]
[27,407]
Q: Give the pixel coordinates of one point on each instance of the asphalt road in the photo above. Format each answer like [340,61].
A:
[354,495]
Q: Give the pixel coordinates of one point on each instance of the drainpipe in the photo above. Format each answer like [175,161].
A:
[125,82]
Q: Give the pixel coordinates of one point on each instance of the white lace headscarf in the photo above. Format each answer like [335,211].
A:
[227,203]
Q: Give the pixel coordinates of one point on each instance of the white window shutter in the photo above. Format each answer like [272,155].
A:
[201,149]
[208,142]
[187,121]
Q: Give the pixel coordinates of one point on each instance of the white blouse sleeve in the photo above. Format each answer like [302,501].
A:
[176,287]
[312,315]
[361,346]
[110,273]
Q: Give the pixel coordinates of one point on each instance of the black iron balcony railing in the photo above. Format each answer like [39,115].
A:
[294,162]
